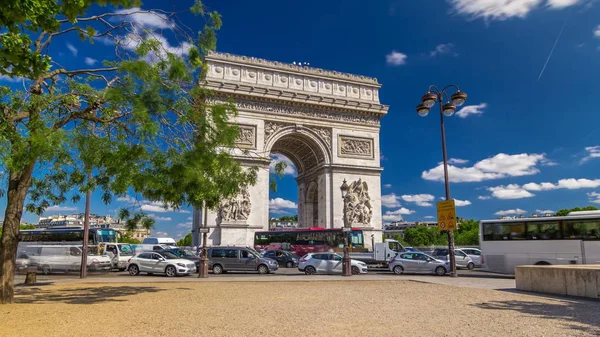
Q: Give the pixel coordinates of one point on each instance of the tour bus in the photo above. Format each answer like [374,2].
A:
[550,240]
[67,235]
[307,240]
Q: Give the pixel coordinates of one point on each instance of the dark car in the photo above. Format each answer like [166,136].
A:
[184,254]
[283,257]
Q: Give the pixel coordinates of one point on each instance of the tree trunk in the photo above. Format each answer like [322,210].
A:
[15,200]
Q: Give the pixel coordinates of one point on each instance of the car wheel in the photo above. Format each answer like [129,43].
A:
[398,270]
[217,269]
[45,269]
[289,264]
[134,270]
[171,271]
[354,270]
[440,271]
[310,270]
[471,265]
[262,269]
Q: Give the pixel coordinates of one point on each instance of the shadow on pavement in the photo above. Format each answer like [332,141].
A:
[89,295]
[569,311]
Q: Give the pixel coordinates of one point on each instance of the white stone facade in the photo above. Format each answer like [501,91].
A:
[325,122]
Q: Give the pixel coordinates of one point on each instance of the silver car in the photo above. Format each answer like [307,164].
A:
[160,263]
[329,263]
[417,262]
[462,260]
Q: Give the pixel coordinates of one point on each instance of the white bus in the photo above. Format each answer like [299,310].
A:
[571,239]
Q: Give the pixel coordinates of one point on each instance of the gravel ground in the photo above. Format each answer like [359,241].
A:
[345,308]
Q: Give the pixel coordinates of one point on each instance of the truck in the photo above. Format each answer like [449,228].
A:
[382,254]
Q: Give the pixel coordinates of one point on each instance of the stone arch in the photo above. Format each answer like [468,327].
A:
[304,147]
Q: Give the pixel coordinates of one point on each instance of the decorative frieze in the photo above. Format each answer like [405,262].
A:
[355,147]
[236,208]
[271,128]
[324,133]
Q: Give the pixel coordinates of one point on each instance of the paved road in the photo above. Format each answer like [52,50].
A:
[471,279]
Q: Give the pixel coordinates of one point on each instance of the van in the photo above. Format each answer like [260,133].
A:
[65,258]
[119,254]
[160,241]
[223,259]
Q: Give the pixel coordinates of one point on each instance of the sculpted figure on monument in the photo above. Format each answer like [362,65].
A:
[358,204]
[237,208]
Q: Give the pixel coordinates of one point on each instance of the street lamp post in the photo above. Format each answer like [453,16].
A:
[203,272]
[346,269]
[447,109]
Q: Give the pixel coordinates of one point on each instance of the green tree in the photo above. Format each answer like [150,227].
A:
[186,241]
[139,121]
[564,212]
[127,238]
[467,233]
[135,221]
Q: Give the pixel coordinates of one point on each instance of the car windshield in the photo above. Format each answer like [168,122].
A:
[169,256]
[187,253]
[255,253]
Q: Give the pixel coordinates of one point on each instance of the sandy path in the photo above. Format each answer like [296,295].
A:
[348,308]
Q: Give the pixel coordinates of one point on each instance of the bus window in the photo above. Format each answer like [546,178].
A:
[543,231]
[504,231]
[582,229]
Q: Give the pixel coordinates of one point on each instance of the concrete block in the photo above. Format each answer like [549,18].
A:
[523,278]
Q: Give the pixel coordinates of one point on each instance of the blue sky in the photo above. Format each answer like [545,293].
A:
[526,140]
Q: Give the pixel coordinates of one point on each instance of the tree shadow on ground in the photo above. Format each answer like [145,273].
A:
[88,295]
[569,311]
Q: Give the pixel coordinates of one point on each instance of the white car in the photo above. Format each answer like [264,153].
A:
[463,260]
[160,263]
[474,254]
[64,258]
[328,263]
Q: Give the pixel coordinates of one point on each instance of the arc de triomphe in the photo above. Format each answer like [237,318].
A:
[326,122]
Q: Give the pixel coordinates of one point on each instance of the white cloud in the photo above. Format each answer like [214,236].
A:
[59,208]
[512,191]
[396,58]
[127,199]
[597,31]
[461,203]
[468,110]
[150,206]
[423,200]
[592,152]
[160,234]
[148,19]
[90,61]
[280,205]
[397,214]
[500,166]
[390,200]
[387,185]
[290,169]
[13,79]
[504,9]
[159,218]
[444,48]
[72,49]
[429,217]
[189,218]
[484,197]
[457,161]
[570,184]
[540,211]
[594,197]
[155,208]
[184,225]
[511,212]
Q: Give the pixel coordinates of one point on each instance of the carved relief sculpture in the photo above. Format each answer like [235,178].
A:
[237,208]
[357,204]
[324,133]
[271,128]
[356,147]
[247,136]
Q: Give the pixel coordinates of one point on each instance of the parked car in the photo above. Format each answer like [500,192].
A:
[224,259]
[119,254]
[328,263]
[283,257]
[474,254]
[160,241]
[160,263]
[184,254]
[462,260]
[417,262]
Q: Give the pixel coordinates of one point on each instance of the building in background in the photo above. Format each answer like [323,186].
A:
[398,227]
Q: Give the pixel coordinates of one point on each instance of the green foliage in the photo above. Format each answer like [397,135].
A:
[467,234]
[127,238]
[186,241]
[134,221]
[288,218]
[564,212]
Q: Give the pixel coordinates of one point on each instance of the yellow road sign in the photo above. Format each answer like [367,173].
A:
[446,215]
